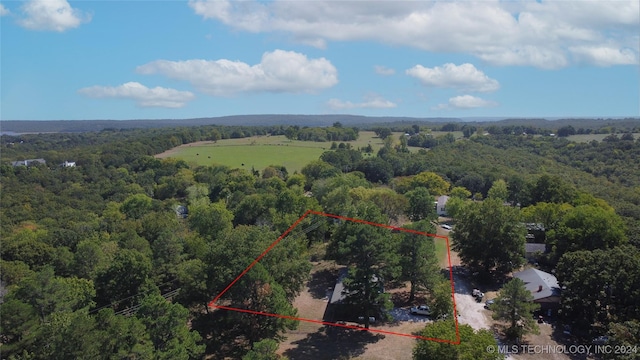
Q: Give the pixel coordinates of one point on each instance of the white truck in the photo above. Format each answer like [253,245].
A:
[478,295]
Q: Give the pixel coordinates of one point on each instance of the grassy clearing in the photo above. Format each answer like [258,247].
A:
[261,151]
[597,137]
[249,156]
[441,252]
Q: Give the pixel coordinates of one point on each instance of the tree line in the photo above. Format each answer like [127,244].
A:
[90,253]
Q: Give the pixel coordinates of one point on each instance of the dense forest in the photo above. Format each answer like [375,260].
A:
[98,261]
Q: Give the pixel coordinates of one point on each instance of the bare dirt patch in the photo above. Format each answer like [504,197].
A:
[545,338]
[317,341]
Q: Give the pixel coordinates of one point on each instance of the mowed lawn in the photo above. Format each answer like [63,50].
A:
[261,151]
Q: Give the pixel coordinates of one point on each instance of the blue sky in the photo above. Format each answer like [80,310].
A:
[67,60]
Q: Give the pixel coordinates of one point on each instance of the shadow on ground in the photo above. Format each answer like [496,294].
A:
[401,298]
[558,335]
[322,283]
[332,342]
[466,281]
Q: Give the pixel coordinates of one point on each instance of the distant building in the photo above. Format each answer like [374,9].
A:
[532,251]
[181,211]
[542,285]
[28,162]
[535,232]
[441,205]
[69,164]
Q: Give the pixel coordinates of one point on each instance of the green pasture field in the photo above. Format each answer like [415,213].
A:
[250,156]
[261,151]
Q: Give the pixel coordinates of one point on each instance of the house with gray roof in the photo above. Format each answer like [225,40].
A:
[28,162]
[542,285]
[533,251]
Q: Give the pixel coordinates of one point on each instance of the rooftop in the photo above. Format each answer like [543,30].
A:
[541,284]
[532,248]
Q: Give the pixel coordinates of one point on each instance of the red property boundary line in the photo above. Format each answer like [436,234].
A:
[212,303]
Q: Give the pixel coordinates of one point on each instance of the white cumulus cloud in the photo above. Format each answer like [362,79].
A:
[278,71]
[466,102]
[604,56]
[3,10]
[464,77]
[370,102]
[53,15]
[526,32]
[142,95]
[383,70]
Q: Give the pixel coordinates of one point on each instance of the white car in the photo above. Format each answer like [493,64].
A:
[420,310]
[446,227]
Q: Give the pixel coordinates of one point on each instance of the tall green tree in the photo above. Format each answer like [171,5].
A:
[135,206]
[455,205]
[587,227]
[515,305]
[264,350]
[369,253]
[420,205]
[609,277]
[490,237]
[168,330]
[441,302]
[119,337]
[125,280]
[499,190]
[426,179]
[48,294]
[210,219]
[547,214]
[625,335]
[551,189]
[318,169]
[418,258]
[257,290]
[382,132]
[376,170]
[460,192]
[391,203]
[473,344]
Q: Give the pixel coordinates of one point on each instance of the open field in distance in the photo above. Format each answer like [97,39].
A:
[261,151]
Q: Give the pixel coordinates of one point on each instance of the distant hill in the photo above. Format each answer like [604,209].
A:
[24,126]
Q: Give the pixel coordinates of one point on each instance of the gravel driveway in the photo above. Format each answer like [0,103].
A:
[469,310]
